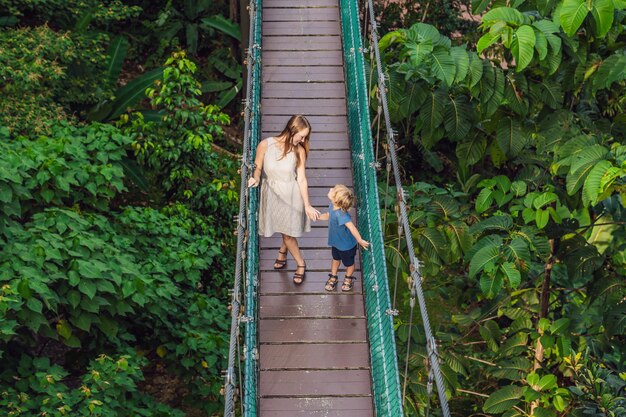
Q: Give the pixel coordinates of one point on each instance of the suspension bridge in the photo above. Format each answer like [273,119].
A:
[298,350]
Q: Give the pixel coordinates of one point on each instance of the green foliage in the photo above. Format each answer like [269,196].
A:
[108,388]
[521,230]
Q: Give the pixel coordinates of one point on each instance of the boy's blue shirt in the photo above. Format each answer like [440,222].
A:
[339,235]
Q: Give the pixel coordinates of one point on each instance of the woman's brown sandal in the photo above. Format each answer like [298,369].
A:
[281,262]
[299,278]
[348,283]
[331,282]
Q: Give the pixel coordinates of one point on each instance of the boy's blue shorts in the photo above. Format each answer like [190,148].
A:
[345,256]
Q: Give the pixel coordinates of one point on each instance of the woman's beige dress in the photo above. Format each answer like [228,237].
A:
[281,207]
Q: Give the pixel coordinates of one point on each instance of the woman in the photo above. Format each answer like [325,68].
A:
[284,205]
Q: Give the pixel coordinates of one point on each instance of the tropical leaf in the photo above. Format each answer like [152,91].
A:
[503,399]
[413,98]
[491,285]
[472,151]
[510,136]
[486,41]
[444,206]
[518,251]
[484,200]
[491,89]
[133,171]
[508,14]
[549,93]
[602,12]
[228,95]
[418,51]
[501,223]
[432,112]
[592,187]
[458,233]
[541,44]
[512,274]
[443,65]
[573,13]
[461,61]
[432,242]
[544,199]
[475,72]
[191,34]
[421,32]
[391,38]
[213,86]
[115,57]
[134,91]
[479,6]
[223,25]
[483,257]
[516,99]
[611,70]
[523,46]
[457,122]
[590,154]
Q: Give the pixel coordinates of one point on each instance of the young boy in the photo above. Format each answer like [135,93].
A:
[343,236]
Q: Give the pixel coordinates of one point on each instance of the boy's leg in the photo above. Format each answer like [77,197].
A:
[334,267]
[350,270]
[348,260]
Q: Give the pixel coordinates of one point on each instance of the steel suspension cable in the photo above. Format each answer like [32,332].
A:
[416,279]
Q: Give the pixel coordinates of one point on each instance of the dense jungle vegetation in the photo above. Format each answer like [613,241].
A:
[119,128]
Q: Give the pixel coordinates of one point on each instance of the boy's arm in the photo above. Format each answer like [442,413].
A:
[355,232]
[324,216]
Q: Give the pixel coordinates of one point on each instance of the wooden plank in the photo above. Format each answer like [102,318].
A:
[310,107]
[317,407]
[314,331]
[315,383]
[300,14]
[301,28]
[280,282]
[305,243]
[299,4]
[301,43]
[322,356]
[320,253]
[312,90]
[306,58]
[302,74]
[343,305]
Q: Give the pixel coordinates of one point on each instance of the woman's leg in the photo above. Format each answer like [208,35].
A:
[281,258]
[291,244]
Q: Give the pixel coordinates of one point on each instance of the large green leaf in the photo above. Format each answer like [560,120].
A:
[523,46]
[8,20]
[418,51]
[491,89]
[602,12]
[432,112]
[573,13]
[191,34]
[510,136]
[223,25]
[461,61]
[134,91]
[484,256]
[486,41]
[115,57]
[443,65]
[610,70]
[457,120]
[475,72]
[479,6]
[503,399]
[472,151]
[586,155]
[592,187]
[512,274]
[508,14]
[491,285]
[500,223]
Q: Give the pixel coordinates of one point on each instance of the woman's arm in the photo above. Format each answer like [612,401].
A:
[255,179]
[311,212]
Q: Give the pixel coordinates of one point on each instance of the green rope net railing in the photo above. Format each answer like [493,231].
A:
[247,261]
[384,365]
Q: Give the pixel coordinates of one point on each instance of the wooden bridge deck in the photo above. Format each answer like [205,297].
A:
[314,353]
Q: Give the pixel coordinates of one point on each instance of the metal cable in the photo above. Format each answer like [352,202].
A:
[416,287]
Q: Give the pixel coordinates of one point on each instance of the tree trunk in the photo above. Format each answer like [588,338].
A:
[544,304]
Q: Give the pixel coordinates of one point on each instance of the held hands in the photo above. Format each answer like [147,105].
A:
[252,182]
[312,213]
[364,244]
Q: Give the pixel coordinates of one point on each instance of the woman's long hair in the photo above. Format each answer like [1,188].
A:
[295,124]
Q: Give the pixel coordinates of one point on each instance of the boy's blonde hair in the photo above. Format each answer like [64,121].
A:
[344,197]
